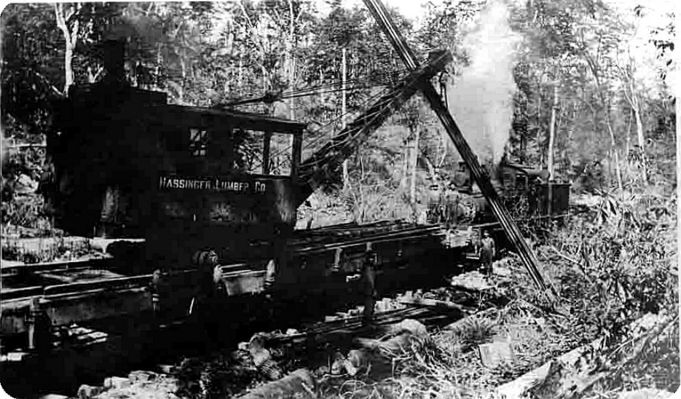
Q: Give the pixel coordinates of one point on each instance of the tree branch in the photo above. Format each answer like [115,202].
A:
[74,34]
[47,82]
[75,12]
[61,23]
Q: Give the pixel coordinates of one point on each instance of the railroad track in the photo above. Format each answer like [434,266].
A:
[26,281]
[315,345]
[93,303]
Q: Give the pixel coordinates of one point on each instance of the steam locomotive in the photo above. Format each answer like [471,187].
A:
[527,190]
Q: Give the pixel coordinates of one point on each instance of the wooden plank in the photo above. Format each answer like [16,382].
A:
[95,284]
[96,262]
[97,305]
[13,293]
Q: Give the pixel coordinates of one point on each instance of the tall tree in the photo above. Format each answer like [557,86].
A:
[30,75]
[68,21]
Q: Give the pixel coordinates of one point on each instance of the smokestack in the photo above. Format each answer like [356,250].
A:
[113,58]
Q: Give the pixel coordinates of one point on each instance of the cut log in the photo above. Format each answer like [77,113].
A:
[407,325]
[434,303]
[645,393]
[549,371]
[299,384]
[262,358]
[572,373]
[390,346]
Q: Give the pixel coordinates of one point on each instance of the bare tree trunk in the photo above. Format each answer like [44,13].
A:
[640,137]
[184,79]
[618,172]
[344,110]
[628,139]
[552,130]
[639,126]
[290,60]
[321,83]
[405,166]
[414,158]
[68,67]
[442,144]
[627,146]
[240,80]
[570,133]
[159,59]
[431,169]
[63,16]
[634,103]
[541,155]
[606,107]
[265,83]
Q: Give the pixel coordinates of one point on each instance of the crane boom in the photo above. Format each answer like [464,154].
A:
[528,257]
[326,162]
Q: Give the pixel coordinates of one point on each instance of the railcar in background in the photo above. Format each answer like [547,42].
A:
[528,191]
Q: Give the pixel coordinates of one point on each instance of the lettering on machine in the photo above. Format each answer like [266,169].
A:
[206,184]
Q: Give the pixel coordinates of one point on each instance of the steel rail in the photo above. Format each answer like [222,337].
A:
[397,235]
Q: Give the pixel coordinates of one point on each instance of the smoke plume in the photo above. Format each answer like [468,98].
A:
[481,100]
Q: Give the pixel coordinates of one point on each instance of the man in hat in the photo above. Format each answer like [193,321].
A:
[487,252]
[369,286]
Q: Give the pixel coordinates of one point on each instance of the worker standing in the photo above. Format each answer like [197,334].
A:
[487,253]
[369,286]
[204,304]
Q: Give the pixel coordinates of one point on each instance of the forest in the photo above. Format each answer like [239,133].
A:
[580,88]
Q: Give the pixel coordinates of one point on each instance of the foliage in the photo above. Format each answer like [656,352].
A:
[613,264]
[29,73]
[45,249]
[582,61]
[290,53]
[474,331]
[25,211]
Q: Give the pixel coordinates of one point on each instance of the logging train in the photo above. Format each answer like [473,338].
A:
[526,190]
[214,193]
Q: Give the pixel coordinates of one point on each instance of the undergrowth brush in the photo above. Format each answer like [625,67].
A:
[610,266]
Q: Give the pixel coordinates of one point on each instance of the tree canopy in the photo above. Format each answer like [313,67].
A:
[590,78]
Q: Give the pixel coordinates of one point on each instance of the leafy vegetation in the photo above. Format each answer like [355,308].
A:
[594,112]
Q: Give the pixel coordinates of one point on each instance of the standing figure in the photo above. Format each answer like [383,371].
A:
[487,252]
[204,305]
[369,286]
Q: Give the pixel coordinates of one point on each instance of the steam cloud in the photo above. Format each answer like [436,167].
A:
[481,100]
